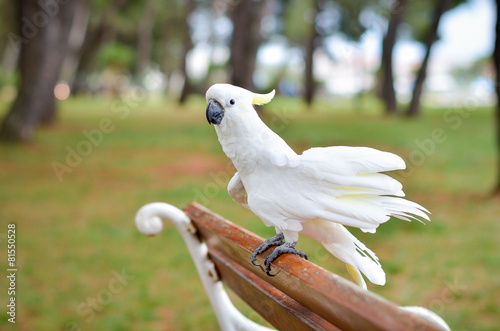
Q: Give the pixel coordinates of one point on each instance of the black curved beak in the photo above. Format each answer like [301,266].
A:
[215,112]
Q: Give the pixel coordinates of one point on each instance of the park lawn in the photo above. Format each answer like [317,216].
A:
[74,191]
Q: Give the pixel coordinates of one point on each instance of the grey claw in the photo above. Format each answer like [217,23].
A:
[253,258]
[277,240]
[286,248]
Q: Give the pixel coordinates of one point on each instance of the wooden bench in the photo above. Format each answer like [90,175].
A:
[302,295]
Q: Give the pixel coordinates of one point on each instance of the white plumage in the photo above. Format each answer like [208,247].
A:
[315,193]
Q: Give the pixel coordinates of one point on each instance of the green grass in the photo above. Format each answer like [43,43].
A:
[76,234]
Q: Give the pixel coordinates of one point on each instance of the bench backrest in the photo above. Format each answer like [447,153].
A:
[302,296]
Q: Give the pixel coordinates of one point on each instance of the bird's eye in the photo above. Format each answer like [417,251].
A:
[232,102]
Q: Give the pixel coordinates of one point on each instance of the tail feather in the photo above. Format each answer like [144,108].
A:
[356,275]
[347,248]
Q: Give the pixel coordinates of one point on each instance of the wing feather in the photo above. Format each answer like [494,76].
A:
[343,185]
[237,191]
[348,161]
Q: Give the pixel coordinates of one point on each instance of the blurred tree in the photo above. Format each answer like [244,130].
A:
[100,30]
[75,41]
[9,54]
[308,23]
[427,34]
[187,46]
[311,43]
[299,27]
[440,7]
[496,61]
[246,17]
[43,29]
[388,94]
[145,36]
[168,50]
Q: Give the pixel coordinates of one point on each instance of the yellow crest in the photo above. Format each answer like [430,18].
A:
[262,99]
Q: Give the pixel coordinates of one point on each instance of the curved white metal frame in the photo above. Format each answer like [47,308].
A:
[149,221]
[429,315]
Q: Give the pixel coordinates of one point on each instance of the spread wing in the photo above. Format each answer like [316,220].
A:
[349,161]
[345,186]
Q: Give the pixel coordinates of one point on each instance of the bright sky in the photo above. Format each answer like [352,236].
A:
[467,33]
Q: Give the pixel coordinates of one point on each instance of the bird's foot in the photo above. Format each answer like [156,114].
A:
[277,240]
[286,248]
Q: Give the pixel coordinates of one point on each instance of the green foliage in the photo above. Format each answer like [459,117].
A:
[73,234]
[7,79]
[420,15]
[350,12]
[117,55]
[328,17]
[299,17]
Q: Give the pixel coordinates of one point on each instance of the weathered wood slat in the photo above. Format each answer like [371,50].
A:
[277,308]
[336,300]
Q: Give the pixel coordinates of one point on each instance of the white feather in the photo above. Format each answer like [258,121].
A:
[316,192]
[347,248]
[237,191]
[350,161]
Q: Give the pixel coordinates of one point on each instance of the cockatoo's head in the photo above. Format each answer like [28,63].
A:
[225,100]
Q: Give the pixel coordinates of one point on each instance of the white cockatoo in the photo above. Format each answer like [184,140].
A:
[316,193]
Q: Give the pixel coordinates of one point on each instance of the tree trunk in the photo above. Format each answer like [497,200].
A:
[44,34]
[246,17]
[388,94]
[496,60]
[145,36]
[95,37]
[9,54]
[75,41]
[440,7]
[187,88]
[311,40]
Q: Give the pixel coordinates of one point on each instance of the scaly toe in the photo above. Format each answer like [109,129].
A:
[286,248]
[277,240]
